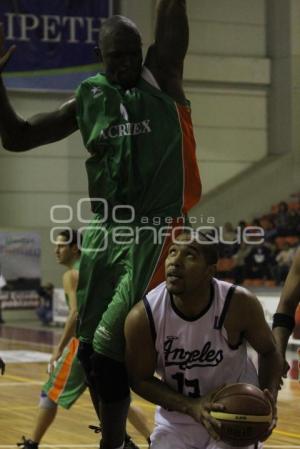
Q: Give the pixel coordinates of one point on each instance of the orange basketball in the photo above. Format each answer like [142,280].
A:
[247,414]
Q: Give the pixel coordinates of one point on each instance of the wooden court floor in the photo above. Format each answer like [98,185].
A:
[21,384]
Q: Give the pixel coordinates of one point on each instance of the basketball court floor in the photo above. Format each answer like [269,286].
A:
[26,351]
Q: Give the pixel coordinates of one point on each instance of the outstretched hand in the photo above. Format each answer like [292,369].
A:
[5,55]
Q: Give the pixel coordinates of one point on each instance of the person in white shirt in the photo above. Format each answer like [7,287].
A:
[192,330]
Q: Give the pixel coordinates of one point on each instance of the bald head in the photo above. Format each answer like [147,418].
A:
[116,25]
[121,49]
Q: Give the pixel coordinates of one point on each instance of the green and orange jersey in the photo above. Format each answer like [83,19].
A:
[75,267]
[142,148]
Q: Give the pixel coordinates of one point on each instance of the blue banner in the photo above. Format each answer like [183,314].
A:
[55,41]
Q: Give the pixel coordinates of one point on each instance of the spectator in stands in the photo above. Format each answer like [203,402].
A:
[259,262]
[241,225]
[282,219]
[294,222]
[268,225]
[256,222]
[228,240]
[239,270]
[284,261]
[45,311]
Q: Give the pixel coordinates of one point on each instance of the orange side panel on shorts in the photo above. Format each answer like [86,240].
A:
[158,275]
[191,188]
[63,374]
[192,182]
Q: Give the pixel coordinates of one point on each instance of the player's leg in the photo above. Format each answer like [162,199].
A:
[113,390]
[46,415]
[63,388]
[108,289]
[109,344]
[97,275]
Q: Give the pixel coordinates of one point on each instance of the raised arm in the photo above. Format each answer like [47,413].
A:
[166,56]
[18,134]
[284,319]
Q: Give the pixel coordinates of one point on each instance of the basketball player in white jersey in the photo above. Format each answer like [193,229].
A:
[192,330]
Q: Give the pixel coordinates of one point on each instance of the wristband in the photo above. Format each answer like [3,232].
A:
[283,320]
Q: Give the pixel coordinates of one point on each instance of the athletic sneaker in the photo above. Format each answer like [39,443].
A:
[129,444]
[27,444]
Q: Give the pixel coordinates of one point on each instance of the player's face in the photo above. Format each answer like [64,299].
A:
[122,58]
[186,267]
[63,251]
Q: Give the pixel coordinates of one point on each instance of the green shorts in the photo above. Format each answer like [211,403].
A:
[67,381]
[115,273]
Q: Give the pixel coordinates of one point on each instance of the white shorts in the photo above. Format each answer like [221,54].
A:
[186,436]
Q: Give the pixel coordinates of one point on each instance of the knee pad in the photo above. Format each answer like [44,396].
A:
[111,378]
[45,402]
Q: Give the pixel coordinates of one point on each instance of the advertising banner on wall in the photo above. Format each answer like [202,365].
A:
[20,271]
[54,41]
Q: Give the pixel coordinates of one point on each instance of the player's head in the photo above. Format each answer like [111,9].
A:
[191,262]
[67,246]
[121,51]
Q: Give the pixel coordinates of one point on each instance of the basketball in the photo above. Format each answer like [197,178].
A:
[247,414]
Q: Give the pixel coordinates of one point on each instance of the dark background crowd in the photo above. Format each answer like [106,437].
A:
[267,263]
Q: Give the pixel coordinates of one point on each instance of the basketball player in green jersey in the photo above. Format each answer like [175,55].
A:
[136,124]
[67,379]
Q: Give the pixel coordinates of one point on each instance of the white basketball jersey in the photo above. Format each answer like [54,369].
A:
[194,356]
